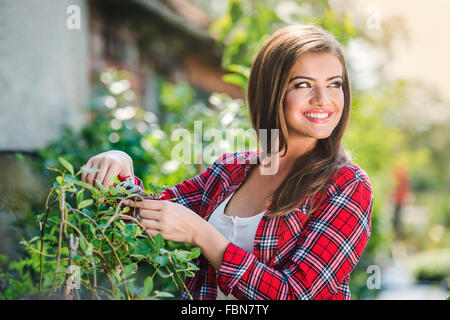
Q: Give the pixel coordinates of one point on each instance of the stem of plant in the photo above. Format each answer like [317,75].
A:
[60,197]
[42,231]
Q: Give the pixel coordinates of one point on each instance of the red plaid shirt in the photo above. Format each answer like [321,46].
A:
[293,257]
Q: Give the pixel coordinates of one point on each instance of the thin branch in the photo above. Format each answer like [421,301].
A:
[61,208]
[42,231]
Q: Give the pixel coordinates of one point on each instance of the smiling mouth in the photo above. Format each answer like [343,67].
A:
[321,117]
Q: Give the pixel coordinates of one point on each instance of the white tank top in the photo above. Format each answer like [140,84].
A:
[240,231]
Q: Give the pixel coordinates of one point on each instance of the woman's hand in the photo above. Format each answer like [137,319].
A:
[110,164]
[172,220]
[180,224]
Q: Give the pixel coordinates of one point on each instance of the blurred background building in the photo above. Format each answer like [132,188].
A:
[46,67]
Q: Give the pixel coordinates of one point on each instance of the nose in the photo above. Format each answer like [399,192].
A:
[320,97]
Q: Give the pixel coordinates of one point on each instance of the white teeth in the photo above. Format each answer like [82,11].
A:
[317,115]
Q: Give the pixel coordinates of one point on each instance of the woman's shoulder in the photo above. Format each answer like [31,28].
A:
[350,173]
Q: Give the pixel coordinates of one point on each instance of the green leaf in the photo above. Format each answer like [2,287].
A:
[138,257]
[152,187]
[164,251]
[83,245]
[131,229]
[128,270]
[94,192]
[80,195]
[161,260]
[144,246]
[112,190]
[59,179]
[163,294]
[100,186]
[114,179]
[66,165]
[84,185]
[189,273]
[192,266]
[159,240]
[235,79]
[131,287]
[242,70]
[182,255]
[91,170]
[195,253]
[85,203]
[88,212]
[102,225]
[33,239]
[148,285]
[50,237]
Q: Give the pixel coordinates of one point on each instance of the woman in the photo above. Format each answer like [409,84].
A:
[294,235]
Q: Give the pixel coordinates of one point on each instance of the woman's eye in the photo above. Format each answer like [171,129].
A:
[336,84]
[302,85]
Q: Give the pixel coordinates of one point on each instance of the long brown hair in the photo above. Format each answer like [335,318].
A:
[268,84]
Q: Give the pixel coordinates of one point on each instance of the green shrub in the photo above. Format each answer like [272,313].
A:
[95,247]
[432,265]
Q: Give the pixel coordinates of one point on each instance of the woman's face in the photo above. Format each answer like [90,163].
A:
[314,100]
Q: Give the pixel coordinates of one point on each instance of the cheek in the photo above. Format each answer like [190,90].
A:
[339,99]
[292,102]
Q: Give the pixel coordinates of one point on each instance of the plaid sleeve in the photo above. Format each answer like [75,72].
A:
[326,251]
[189,193]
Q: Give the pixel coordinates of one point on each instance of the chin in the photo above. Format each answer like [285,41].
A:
[323,136]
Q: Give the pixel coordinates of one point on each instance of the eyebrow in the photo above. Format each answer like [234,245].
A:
[309,78]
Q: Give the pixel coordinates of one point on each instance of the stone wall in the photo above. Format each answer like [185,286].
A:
[44,71]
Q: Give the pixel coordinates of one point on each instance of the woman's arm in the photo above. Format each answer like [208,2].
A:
[114,163]
[211,243]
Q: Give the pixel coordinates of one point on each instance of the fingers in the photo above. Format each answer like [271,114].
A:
[150,224]
[150,214]
[103,169]
[84,175]
[156,205]
[152,233]
[152,227]
[109,164]
[106,170]
[92,176]
[112,172]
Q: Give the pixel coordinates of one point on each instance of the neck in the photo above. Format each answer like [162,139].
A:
[297,148]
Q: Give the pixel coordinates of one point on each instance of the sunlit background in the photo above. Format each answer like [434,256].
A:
[128,73]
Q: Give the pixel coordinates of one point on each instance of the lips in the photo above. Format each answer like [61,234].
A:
[318,116]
